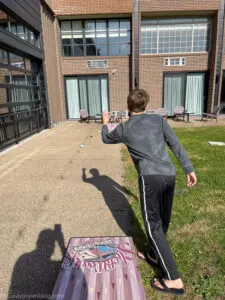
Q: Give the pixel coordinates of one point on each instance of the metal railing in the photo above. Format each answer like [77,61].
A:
[18,125]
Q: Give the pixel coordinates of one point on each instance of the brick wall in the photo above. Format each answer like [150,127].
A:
[59,69]
[152,69]
[52,65]
[178,5]
[88,7]
[3,17]
[119,82]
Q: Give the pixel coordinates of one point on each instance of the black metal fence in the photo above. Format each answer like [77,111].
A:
[18,125]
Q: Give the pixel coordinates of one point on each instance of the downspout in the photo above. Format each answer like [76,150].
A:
[136,43]
[219,53]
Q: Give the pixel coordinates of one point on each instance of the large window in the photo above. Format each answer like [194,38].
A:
[19,82]
[19,29]
[175,35]
[95,37]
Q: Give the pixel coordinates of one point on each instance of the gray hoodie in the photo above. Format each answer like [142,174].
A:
[146,137]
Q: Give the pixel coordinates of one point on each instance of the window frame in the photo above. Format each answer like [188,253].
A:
[27,30]
[32,89]
[175,22]
[85,45]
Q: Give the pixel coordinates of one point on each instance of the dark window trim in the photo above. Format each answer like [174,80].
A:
[27,27]
[30,86]
[84,41]
[2,105]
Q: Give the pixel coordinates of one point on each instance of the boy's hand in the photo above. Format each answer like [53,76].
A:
[191,179]
[105,117]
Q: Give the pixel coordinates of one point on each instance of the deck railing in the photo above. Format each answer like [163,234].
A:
[18,125]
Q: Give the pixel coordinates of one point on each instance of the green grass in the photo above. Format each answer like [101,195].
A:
[197,230]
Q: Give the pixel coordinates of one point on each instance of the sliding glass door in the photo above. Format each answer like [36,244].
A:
[86,92]
[184,89]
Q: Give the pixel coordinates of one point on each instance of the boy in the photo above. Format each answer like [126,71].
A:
[146,137]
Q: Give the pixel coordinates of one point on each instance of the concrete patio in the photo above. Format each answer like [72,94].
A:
[43,183]
[48,180]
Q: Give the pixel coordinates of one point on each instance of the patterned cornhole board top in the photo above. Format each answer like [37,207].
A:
[99,268]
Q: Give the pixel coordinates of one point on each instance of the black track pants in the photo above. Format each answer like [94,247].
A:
[156,193]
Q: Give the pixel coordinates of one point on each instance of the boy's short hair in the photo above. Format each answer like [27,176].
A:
[137,100]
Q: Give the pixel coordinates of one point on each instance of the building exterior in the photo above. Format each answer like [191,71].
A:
[23,105]
[94,52]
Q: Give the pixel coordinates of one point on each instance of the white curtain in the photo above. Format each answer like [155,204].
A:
[174,86]
[94,96]
[72,98]
[195,93]
[83,94]
[104,89]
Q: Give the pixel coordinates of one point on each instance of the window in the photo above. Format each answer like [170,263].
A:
[16,60]
[95,37]
[175,35]
[20,81]
[3,57]
[19,29]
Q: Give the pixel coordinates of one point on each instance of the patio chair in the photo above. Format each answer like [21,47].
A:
[213,115]
[162,112]
[115,116]
[178,112]
[84,116]
[124,114]
[97,118]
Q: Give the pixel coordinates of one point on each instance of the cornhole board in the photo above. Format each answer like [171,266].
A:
[111,127]
[99,268]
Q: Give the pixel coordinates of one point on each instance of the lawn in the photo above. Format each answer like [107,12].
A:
[197,230]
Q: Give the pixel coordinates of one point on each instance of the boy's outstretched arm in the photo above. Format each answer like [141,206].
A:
[114,137]
[178,150]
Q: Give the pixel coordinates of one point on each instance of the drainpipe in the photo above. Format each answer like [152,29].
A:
[219,53]
[136,43]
